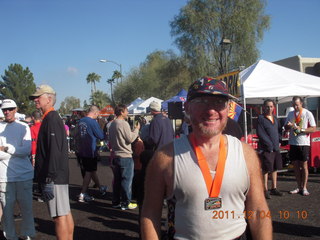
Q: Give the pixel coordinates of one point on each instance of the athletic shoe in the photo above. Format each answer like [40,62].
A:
[103,190]
[276,192]
[129,206]
[83,197]
[267,194]
[305,192]
[295,191]
[116,205]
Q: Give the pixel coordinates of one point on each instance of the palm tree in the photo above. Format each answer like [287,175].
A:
[111,81]
[100,99]
[92,78]
[117,75]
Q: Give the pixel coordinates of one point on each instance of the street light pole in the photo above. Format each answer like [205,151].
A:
[118,64]
[225,42]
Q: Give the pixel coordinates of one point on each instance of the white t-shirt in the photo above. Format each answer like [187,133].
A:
[302,139]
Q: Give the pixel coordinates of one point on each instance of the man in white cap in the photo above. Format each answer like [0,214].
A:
[16,173]
[52,163]
[212,181]
[161,130]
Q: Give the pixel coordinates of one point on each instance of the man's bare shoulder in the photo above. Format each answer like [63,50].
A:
[163,157]
[250,156]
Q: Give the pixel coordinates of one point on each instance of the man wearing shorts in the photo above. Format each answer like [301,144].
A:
[301,123]
[269,132]
[52,163]
[88,133]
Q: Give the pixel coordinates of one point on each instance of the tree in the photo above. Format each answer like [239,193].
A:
[161,75]
[116,75]
[201,26]
[92,78]
[100,99]
[18,85]
[68,104]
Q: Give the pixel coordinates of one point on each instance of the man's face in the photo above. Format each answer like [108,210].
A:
[268,108]
[297,104]
[125,113]
[42,101]
[208,114]
[9,114]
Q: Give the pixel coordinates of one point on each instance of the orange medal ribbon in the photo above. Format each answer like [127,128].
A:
[46,113]
[298,118]
[213,185]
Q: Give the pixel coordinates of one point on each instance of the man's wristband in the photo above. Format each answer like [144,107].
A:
[303,130]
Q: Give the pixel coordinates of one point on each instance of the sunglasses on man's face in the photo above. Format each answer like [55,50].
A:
[8,109]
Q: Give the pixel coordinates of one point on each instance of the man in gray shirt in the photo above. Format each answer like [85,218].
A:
[121,137]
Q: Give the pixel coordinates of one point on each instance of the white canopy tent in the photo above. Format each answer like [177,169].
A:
[264,80]
[142,107]
[134,104]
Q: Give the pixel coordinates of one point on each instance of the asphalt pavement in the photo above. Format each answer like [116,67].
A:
[295,217]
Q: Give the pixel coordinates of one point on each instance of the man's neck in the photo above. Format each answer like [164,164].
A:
[10,121]
[208,142]
[120,117]
[45,109]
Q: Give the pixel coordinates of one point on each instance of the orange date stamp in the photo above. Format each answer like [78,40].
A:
[248,215]
[220,214]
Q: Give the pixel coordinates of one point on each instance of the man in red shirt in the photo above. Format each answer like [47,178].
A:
[36,117]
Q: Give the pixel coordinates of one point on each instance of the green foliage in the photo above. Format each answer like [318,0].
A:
[18,84]
[68,104]
[162,75]
[92,78]
[100,99]
[116,75]
[85,105]
[202,24]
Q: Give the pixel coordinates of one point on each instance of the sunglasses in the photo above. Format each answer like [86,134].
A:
[8,109]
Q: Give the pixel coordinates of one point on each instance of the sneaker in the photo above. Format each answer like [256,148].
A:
[83,197]
[276,192]
[295,191]
[103,190]
[267,194]
[305,192]
[116,205]
[130,206]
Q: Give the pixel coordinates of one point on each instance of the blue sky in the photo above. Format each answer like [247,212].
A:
[61,41]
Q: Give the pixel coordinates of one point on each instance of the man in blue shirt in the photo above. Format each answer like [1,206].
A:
[161,130]
[88,133]
[269,132]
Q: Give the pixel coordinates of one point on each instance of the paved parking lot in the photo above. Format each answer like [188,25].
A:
[294,217]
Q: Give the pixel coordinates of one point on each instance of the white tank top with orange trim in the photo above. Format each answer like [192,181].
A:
[191,220]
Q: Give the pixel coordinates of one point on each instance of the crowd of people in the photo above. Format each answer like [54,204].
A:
[203,171]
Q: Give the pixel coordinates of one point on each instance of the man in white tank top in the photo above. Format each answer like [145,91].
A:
[213,180]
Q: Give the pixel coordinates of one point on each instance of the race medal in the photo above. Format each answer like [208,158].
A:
[212,203]
[213,186]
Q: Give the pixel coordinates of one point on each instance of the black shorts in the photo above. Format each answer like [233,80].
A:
[89,164]
[299,153]
[271,161]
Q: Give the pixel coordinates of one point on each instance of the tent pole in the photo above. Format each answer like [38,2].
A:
[277,107]
[245,120]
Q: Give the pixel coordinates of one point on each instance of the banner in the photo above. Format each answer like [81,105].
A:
[233,82]
[234,110]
